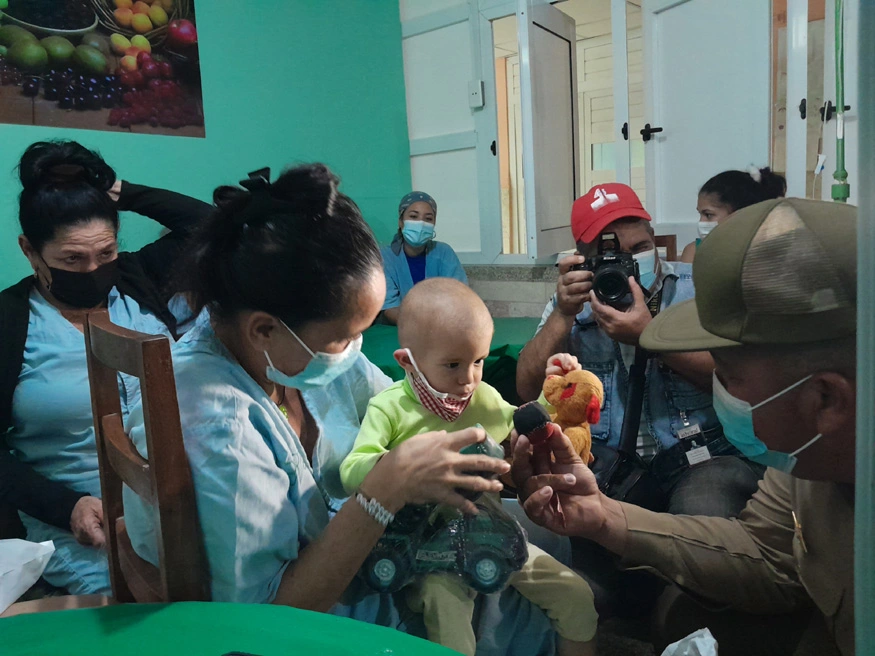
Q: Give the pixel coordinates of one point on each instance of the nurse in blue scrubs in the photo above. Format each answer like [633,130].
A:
[272,388]
[414,255]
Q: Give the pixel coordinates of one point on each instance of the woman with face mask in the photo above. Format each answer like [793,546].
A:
[729,192]
[68,211]
[414,255]
[272,388]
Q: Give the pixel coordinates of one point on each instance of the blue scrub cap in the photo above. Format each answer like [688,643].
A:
[416,197]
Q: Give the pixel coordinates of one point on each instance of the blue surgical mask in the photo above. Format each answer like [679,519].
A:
[322,368]
[646,268]
[417,233]
[736,416]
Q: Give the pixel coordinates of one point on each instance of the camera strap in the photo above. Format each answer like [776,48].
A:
[621,473]
[655,302]
[634,403]
[635,393]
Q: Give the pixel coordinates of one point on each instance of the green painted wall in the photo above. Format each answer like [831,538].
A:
[291,81]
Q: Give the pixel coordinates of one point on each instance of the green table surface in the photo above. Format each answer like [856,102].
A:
[511,334]
[201,629]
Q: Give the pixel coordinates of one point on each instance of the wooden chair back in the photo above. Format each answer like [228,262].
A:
[163,481]
[670,244]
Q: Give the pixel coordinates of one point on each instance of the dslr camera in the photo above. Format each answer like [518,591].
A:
[611,270]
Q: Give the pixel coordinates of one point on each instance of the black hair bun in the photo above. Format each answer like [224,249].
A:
[773,184]
[63,162]
[312,189]
[228,198]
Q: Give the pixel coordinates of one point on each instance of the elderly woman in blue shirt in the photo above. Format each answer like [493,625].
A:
[414,255]
[68,211]
[272,388]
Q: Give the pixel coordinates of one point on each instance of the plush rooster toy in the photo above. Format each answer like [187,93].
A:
[577,398]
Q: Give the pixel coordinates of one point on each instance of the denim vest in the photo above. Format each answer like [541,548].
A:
[671,403]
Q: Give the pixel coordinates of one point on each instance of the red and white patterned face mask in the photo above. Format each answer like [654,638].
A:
[448,407]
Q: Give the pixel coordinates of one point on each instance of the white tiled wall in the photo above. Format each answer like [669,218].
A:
[514,291]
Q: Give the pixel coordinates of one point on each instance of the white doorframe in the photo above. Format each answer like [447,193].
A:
[796,166]
[622,145]
[651,110]
[483,12]
[486,127]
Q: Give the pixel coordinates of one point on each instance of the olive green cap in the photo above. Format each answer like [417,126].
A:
[779,272]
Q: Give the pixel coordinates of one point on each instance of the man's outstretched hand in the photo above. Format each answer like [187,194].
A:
[557,468]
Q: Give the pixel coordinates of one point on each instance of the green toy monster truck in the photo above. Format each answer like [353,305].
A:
[485,549]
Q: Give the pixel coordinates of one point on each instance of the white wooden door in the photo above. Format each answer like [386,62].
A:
[708,72]
[548,83]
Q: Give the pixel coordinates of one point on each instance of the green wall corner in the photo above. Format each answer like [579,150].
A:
[289,82]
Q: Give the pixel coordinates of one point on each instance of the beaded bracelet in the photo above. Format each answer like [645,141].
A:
[375,509]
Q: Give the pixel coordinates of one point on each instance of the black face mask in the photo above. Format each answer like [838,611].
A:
[83,290]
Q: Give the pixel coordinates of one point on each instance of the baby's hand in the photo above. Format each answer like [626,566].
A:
[561,363]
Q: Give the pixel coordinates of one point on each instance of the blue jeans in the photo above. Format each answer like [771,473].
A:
[720,487]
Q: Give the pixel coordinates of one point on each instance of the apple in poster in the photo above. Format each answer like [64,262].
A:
[181,33]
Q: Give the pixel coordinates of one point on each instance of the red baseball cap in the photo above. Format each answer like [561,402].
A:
[601,206]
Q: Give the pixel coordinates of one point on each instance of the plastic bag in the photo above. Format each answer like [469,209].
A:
[21,564]
[700,643]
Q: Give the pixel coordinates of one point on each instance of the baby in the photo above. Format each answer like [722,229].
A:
[445,330]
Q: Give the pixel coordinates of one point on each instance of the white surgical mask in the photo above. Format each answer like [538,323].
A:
[646,267]
[736,416]
[322,368]
[705,227]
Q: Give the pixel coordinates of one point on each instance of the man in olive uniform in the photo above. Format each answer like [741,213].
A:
[776,306]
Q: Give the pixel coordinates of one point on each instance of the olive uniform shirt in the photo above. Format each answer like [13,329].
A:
[765,561]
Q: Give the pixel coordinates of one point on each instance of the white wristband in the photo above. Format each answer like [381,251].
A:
[375,509]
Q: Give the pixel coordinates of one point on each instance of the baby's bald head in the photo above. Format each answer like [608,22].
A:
[445,333]
[440,309]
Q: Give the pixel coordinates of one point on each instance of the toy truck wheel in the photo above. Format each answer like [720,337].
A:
[488,571]
[384,571]
[387,571]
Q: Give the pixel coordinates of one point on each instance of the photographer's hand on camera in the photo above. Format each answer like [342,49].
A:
[573,288]
[626,325]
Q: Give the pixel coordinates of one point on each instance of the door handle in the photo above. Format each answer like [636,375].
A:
[803,113]
[830,110]
[648,131]
[492,147]
[625,131]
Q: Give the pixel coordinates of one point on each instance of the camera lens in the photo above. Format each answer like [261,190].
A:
[611,284]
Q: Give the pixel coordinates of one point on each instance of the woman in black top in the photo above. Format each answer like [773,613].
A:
[68,212]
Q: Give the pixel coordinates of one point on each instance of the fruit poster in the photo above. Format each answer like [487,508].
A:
[118,65]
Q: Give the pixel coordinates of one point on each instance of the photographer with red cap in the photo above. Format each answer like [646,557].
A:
[679,433]
[679,436]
